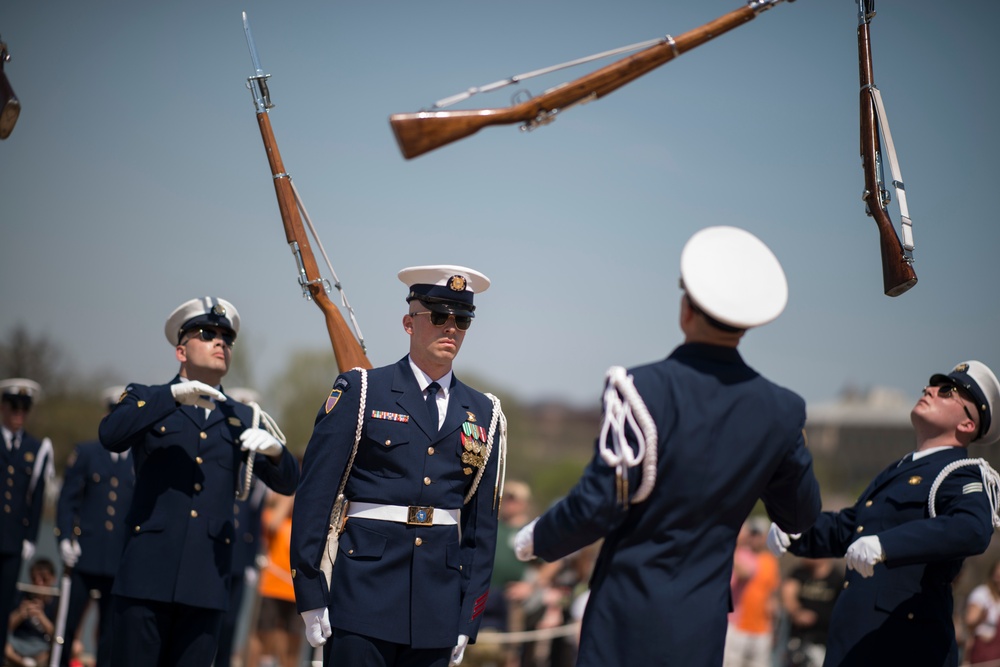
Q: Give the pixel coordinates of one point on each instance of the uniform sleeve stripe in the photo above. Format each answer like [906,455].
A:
[973,487]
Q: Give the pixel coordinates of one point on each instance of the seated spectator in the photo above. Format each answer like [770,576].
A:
[31,623]
[807,598]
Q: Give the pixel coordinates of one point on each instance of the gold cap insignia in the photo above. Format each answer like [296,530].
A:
[472,417]
[457,283]
[916,479]
[961,368]
[219,309]
[29,457]
[235,421]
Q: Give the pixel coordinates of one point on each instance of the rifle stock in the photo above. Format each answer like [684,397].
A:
[897,272]
[421,132]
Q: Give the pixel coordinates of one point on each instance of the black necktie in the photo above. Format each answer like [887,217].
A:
[432,404]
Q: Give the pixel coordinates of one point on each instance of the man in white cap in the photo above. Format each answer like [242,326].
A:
[25,468]
[90,531]
[909,532]
[416,554]
[188,443]
[688,446]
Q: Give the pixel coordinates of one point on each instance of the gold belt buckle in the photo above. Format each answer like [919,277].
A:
[419,516]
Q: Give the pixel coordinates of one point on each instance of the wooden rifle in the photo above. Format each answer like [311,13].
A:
[897,256]
[349,352]
[418,133]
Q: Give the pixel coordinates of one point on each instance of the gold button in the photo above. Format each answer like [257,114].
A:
[418,541]
[163,429]
[861,529]
[109,526]
[910,616]
[112,496]
[10,469]
[430,451]
[388,442]
[868,504]
[194,514]
[427,481]
[350,552]
[114,482]
[139,404]
[10,482]
[199,460]
[293,573]
[197,487]
[6,508]
[236,524]
[77,531]
[111,510]
[846,584]
[7,495]
[236,509]
[203,435]
[227,540]
[137,529]
[459,568]
[57,532]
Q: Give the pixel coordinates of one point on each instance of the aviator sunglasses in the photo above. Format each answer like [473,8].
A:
[209,335]
[463,322]
[946,390]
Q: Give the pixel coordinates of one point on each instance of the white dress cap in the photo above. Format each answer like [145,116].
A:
[208,310]
[731,275]
[442,275]
[977,379]
[20,387]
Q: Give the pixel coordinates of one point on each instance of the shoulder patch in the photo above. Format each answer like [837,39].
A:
[331,401]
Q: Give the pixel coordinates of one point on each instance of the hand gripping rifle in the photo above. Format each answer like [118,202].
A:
[349,351]
[418,133]
[897,257]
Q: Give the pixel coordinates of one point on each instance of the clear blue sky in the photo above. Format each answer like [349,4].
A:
[136,179]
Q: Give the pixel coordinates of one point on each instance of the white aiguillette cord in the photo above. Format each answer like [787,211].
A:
[625,410]
[271,427]
[991,485]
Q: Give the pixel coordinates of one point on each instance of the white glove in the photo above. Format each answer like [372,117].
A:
[317,626]
[260,441]
[194,393]
[459,651]
[524,542]
[27,550]
[250,576]
[778,540]
[863,554]
[69,550]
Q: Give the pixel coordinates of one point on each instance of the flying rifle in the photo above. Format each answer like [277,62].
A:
[349,351]
[418,133]
[897,256]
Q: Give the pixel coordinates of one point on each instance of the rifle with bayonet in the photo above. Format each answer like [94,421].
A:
[418,133]
[349,351]
[897,256]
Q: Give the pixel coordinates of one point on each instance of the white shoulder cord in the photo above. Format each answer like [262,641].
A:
[339,504]
[43,466]
[906,225]
[625,409]
[271,427]
[500,419]
[991,485]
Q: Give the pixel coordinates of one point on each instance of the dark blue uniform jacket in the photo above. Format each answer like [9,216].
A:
[181,532]
[416,585]
[902,615]
[95,497]
[660,590]
[22,504]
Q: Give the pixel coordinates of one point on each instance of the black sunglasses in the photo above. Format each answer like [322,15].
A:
[946,390]
[209,335]
[463,322]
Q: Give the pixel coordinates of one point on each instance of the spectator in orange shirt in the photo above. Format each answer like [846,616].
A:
[750,638]
[279,631]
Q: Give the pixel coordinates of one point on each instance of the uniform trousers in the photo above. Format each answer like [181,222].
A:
[347,648]
[10,570]
[84,588]
[163,634]
[227,633]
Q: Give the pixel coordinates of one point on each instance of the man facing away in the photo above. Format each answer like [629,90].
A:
[718,436]
[188,443]
[909,532]
[415,557]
